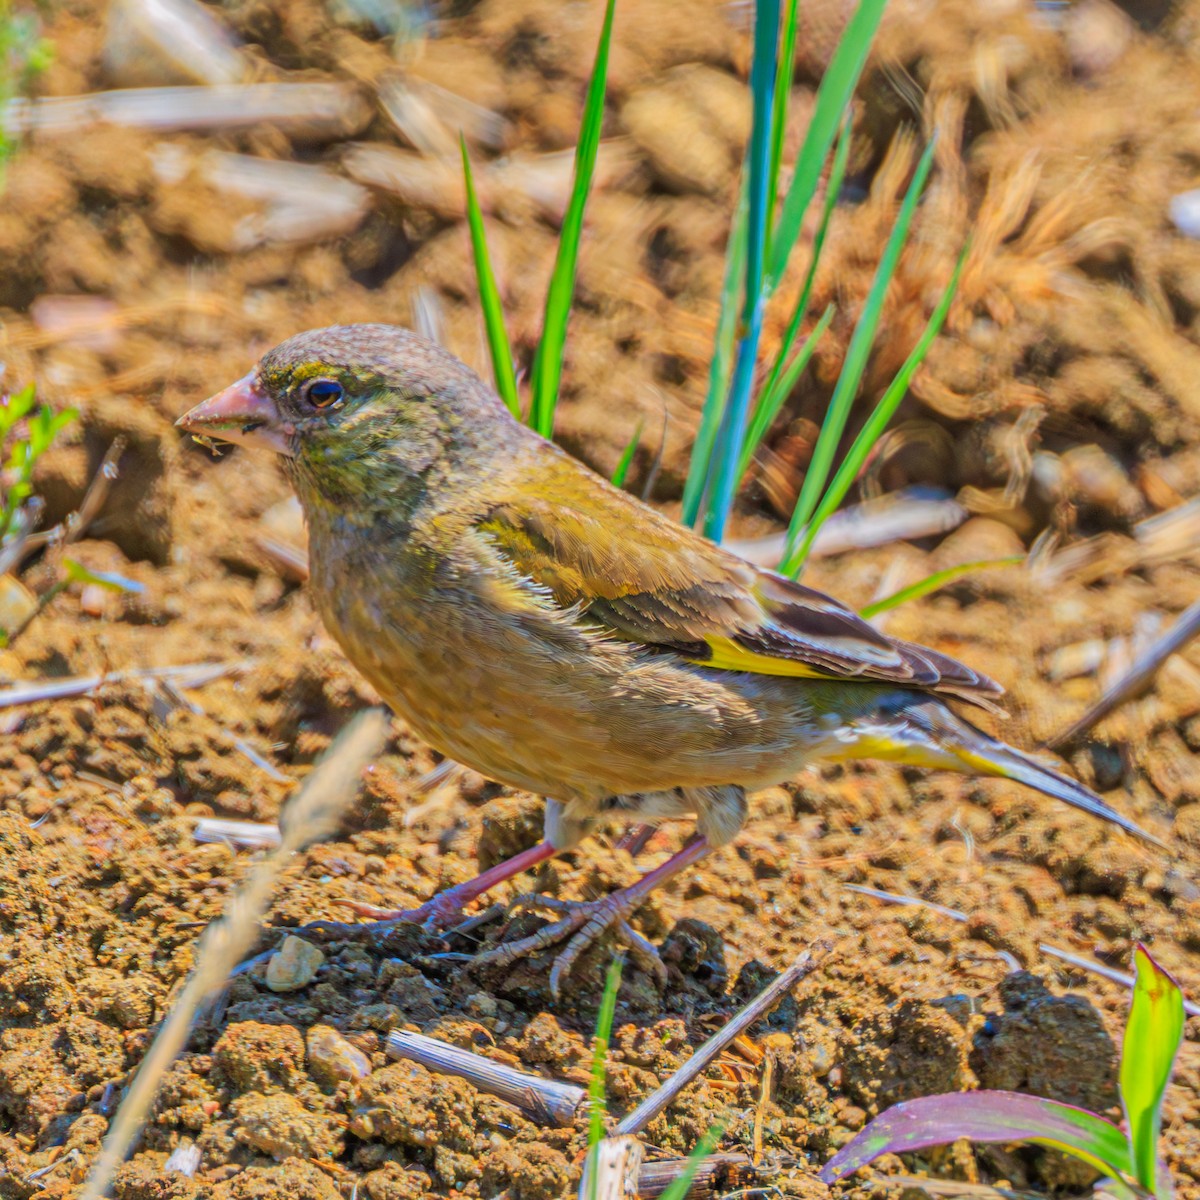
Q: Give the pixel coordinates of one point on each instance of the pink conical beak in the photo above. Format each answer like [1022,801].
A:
[242,413]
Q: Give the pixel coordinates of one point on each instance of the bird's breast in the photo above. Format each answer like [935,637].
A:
[528,693]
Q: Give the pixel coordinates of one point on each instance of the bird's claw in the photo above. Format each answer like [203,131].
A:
[581,924]
[435,915]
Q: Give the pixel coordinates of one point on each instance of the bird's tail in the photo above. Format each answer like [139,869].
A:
[923,732]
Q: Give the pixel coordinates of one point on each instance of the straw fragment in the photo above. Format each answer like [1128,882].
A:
[544,1100]
[312,815]
[610,1170]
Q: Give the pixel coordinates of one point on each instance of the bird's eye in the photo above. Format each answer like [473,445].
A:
[321,393]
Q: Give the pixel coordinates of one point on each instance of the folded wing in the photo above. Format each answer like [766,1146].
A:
[646,579]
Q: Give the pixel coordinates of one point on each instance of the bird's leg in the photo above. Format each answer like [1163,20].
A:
[446,907]
[582,922]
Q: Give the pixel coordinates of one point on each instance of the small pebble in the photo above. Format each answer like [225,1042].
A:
[1185,212]
[293,965]
[331,1057]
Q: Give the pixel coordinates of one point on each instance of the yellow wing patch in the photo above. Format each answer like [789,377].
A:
[727,655]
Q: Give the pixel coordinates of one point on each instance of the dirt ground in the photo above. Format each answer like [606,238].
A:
[1061,407]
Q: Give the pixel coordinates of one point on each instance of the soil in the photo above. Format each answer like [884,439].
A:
[1060,406]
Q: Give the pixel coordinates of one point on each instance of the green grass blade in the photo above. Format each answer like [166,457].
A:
[681,1184]
[931,583]
[618,477]
[724,477]
[783,92]
[833,97]
[718,371]
[547,362]
[489,296]
[837,173]
[1152,1037]
[604,1023]
[772,401]
[802,528]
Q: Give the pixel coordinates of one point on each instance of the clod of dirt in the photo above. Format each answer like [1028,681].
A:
[294,965]
[1053,1046]
[252,1057]
[293,1178]
[1049,1045]
[143,1178]
[918,1049]
[282,1127]
[530,1172]
[696,952]
[407,1104]
[393,1182]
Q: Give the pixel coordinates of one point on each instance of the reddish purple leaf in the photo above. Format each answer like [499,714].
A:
[985,1116]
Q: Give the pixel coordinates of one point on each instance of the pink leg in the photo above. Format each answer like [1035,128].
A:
[446,907]
[584,921]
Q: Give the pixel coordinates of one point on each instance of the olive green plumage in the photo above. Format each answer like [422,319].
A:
[550,631]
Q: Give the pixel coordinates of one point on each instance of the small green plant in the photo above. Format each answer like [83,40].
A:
[41,426]
[742,402]
[548,358]
[24,54]
[27,431]
[1129,1157]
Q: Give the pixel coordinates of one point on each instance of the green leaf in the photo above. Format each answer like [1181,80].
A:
[604,1023]
[679,1187]
[719,367]
[805,519]
[773,400]
[723,467]
[833,97]
[618,478]
[16,408]
[489,296]
[783,91]
[547,362]
[1153,1034]
[776,383]
[78,573]
[931,583]
[986,1116]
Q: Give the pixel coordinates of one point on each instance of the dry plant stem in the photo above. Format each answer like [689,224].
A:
[649,1108]
[718,1175]
[240,744]
[544,1100]
[76,525]
[311,815]
[1136,679]
[192,675]
[610,1170]
[320,111]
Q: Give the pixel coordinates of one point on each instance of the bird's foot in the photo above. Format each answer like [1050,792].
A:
[581,924]
[438,913]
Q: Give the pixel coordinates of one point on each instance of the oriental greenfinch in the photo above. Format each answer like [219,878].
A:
[550,631]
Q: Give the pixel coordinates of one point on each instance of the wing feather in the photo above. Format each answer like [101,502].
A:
[646,579]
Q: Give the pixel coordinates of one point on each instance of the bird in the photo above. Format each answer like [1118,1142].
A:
[537,624]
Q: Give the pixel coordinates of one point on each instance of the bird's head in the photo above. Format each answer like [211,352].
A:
[357,409]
